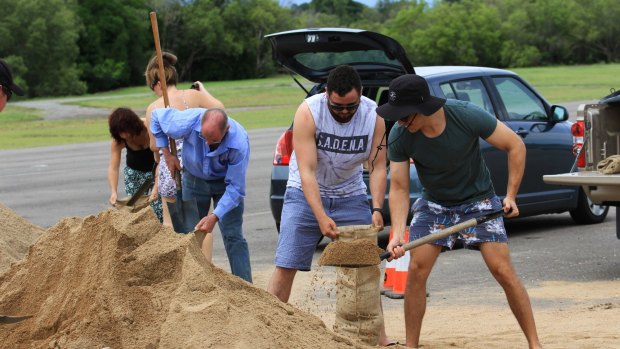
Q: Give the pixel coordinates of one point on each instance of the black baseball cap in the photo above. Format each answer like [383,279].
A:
[6,79]
[409,94]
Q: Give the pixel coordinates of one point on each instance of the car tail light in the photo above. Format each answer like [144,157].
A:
[284,149]
[578,131]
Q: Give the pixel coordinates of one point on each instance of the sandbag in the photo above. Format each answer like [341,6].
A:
[609,165]
[358,297]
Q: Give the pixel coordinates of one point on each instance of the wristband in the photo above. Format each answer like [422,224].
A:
[376,209]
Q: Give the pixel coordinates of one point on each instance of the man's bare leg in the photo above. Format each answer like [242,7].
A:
[422,260]
[281,283]
[497,258]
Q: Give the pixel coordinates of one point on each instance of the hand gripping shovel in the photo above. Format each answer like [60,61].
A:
[349,255]
[183,213]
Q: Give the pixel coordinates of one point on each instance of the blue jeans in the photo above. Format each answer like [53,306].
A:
[230,224]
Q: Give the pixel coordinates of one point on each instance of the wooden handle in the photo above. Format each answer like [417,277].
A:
[446,232]
[160,59]
[164,88]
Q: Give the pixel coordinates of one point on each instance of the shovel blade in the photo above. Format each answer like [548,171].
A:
[184,214]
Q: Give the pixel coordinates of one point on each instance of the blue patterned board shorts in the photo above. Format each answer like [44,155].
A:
[133,181]
[167,187]
[299,229]
[430,217]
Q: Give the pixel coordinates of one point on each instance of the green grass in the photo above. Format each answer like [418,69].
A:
[12,115]
[40,133]
[572,83]
[234,94]
[23,127]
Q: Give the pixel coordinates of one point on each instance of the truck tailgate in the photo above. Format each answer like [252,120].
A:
[598,187]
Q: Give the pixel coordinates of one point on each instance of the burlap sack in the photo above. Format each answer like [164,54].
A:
[358,297]
[609,165]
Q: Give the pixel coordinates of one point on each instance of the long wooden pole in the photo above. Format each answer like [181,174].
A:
[164,88]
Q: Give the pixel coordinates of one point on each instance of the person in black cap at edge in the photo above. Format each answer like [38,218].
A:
[443,139]
[7,87]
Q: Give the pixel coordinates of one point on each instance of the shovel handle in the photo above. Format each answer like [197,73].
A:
[446,232]
[162,80]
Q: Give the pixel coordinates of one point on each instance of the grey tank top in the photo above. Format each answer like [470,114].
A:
[341,149]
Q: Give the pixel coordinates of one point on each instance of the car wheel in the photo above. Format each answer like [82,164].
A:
[588,212]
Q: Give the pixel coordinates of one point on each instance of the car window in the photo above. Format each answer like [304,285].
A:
[468,90]
[521,103]
[328,60]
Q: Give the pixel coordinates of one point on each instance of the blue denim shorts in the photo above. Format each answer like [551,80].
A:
[299,229]
[430,217]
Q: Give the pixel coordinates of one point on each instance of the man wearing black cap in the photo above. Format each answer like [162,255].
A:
[443,139]
[7,87]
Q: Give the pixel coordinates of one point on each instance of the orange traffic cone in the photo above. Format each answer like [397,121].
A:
[400,274]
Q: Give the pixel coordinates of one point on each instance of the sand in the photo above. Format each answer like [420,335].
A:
[569,315]
[361,252]
[120,280]
[16,236]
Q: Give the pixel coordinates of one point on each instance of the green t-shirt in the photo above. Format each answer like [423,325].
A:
[450,166]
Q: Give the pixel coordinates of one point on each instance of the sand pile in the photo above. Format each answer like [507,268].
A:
[361,252]
[120,280]
[16,236]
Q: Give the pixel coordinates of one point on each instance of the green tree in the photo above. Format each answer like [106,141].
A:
[598,31]
[115,42]
[43,34]
[453,33]
[224,39]
[347,11]
[539,32]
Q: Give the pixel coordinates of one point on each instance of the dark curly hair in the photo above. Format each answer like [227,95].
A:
[124,120]
[343,79]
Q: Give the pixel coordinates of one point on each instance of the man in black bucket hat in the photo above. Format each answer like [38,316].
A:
[7,86]
[443,139]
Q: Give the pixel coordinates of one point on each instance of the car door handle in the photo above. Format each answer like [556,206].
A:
[521,132]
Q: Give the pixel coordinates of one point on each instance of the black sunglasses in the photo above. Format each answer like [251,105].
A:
[340,107]
[7,92]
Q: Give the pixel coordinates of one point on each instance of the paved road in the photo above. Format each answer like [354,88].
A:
[46,184]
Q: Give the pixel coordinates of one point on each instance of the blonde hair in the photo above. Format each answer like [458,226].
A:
[170,72]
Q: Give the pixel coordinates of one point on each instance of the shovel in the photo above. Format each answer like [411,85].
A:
[138,200]
[5,319]
[359,255]
[183,213]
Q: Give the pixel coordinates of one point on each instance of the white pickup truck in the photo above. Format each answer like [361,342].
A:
[598,128]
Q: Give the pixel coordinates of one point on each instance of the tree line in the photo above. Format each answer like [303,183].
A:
[70,47]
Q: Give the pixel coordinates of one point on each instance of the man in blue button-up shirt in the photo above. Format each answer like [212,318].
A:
[216,151]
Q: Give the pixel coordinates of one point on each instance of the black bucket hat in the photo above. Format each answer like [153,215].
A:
[409,94]
[6,79]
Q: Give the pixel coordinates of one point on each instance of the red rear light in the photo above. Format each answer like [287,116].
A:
[284,149]
[578,131]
